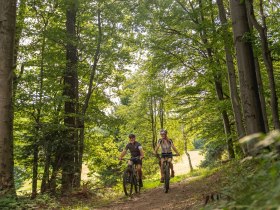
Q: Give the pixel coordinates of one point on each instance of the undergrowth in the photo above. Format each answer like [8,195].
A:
[251,184]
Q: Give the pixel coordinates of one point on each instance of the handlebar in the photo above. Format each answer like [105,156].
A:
[166,155]
[132,158]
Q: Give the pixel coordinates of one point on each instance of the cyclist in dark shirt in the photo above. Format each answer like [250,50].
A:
[136,150]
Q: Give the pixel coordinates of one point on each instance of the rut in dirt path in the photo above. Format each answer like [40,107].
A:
[187,194]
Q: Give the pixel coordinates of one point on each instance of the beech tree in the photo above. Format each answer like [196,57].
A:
[251,105]
[7,30]
[70,152]
[267,57]
[234,94]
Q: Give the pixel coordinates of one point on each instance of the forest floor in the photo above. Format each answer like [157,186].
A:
[187,194]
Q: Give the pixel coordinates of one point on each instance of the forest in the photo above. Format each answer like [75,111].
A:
[78,76]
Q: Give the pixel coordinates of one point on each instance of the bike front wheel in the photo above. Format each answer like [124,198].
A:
[136,184]
[128,182]
[166,177]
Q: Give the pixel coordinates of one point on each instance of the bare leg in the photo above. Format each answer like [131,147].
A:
[171,167]
[139,170]
[161,167]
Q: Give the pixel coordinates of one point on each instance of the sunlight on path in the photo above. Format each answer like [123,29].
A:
[182,166]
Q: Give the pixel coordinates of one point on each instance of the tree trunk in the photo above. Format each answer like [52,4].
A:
[55,169]
[219,90]
[262,30]
[253,117]
[186,149]
[45,179]
[35,171]
[70,91]
[234,96]
[153,122]
[259,82]
[161,113]
[7,29]
[261,91]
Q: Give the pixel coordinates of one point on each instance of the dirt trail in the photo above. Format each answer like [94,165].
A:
[187,194]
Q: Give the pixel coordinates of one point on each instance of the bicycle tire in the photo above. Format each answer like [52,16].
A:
[128,182]
[166,177]
[136,184]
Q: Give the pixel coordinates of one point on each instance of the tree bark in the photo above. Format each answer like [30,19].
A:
[253,117]
[262,30]
[70,91]
[260,85]
[153,121]
[35,170]
[46,175]
[234,95]
[7,30]
[261,93]
[161,113]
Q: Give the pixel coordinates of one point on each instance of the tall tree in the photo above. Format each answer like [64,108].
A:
[7,28]
[234,96]
[71,93]
[246,68]
[259,79]
[262,30]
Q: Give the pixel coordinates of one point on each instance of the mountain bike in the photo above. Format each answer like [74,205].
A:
[131,178]
[166,170]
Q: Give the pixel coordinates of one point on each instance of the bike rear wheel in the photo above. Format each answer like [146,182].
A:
[128,182]
[166,177]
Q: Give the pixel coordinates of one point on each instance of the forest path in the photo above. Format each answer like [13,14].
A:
[187,194]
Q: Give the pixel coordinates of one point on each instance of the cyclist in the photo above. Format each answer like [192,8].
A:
[136,150]
[166,145]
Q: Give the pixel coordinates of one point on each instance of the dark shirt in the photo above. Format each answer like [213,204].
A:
[134,148]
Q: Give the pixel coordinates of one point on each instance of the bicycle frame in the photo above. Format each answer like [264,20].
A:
[166,170]
[130,178]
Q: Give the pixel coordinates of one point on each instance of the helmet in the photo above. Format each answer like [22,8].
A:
[131,135]
[163,131]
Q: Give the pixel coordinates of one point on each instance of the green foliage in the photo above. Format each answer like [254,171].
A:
[213,153]
[20,176]
[42,202]
[198,143]
[8,202]
[149,63]
[253,184]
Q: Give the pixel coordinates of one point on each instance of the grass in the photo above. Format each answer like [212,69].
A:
[88,198]
[197,173]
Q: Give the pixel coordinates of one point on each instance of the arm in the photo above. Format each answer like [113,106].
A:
[156,148]
[175,149]
[141,153]
[122,154]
